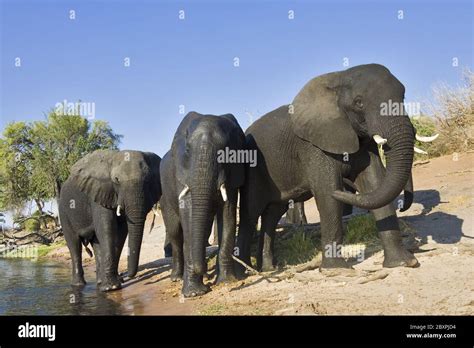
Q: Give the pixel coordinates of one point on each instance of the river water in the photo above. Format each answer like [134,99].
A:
[43,288]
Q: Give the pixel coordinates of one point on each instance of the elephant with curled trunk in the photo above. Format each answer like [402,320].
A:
[327,139]
[107,196]
[198,183]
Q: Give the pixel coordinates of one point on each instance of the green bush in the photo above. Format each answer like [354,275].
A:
[299,248]
[32,225]
[361,229]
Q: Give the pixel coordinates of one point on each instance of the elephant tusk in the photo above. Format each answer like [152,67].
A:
[417,150]
[426,139]
[223,192]
[155,211]
[183,193]
[118,210]
[379,140]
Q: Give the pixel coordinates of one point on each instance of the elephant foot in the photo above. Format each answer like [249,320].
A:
[268,267]
[401,258]
[334,262]
[78,282]
[395,255]
[176,275]
[225,276]
[240,270]
[195,288]
[110,285]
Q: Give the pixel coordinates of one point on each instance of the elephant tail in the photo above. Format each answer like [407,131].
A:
[86,246]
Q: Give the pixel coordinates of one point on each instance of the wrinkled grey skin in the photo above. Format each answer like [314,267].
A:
[192,162]
[321,143]
[98,183]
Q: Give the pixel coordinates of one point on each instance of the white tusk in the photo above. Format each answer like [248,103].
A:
[183,193]
[223,193]
[426,139]
[379,140]
[155,211]
[118,210]
[417,150]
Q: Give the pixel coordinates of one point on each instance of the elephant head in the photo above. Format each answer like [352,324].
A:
[126,181]
[338,111]
[198,143]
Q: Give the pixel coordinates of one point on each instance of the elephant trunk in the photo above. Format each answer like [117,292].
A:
[136,215]
[203,193]
[408,194]
[399,158]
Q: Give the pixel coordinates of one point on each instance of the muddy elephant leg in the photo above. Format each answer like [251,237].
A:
[270,218]
[121,237]
[226,217]
[395,254]
[106,232]
[74,245]
[98,258]
[193,284]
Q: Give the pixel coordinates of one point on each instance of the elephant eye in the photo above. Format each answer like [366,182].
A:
[358,103]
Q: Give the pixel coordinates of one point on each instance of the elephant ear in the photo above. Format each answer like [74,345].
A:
[236,171]
[153,162]
[91,174]
[178,147]
[317,118]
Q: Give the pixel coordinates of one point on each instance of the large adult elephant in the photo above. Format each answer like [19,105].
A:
[325,140]
[107,196]
[198,182]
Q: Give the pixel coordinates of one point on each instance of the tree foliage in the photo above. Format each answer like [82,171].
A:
[35,158]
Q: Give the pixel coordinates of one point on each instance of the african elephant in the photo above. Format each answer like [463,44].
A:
[198,183]
[107,196]
[326,139]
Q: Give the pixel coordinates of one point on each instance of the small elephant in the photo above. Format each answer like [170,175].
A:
[296,214]
[325,140]
[198,183]
[107,196]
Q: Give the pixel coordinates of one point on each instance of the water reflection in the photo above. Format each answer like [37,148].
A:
[42,288]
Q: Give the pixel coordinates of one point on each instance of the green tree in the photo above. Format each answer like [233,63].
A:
[35,158]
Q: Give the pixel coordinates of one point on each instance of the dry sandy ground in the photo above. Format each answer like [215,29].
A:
[441,217]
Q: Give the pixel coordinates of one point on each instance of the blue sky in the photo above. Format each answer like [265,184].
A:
[190,62]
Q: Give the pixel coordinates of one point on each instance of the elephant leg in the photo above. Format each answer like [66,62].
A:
[98,258]
[174,234]
[193,284]
[395,254]
[106,233]
[121,237]
[251,207]
[226,221]
[270,218]
[330,211]
[74,245]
